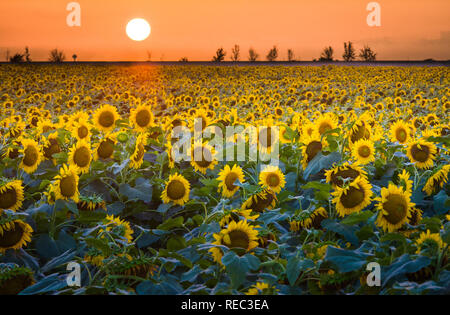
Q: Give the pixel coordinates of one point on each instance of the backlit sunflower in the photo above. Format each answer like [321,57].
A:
[80,156]
[177,190]
[430,242]
[272,178]
[137,158]
[31,155]
[236,235]
[325,123]
[141,118]
[422,153]
[236,215]
[360,130]
[405,181]
[81,130]
[363,151]
[66,183]
[400,132]
[309,220]
[352,198]
[312,145]
[14,234]
[51,146]
[203,157]
[338,174]
[119,227]
[436,182]
[260,201]
[11,195]
[394,208]
[105,118]
[227,177]
[105,148]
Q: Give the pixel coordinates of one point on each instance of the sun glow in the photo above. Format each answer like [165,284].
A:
[138,29]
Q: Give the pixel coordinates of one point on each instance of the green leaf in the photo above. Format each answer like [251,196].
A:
[321,162]
[100,244]
[171,223]
[347,231]
[356,218]
[237,267]
[346,260]
[295,265]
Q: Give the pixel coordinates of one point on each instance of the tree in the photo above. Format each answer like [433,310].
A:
[367,54]
[74,57]
[149,56]
[220,55]
[252,55]
[349,52]
[57,56]
[327,54]
[7,55]
[184,59]
[273,54]
[235,53]
[17,58]
[27,54]
[290,55]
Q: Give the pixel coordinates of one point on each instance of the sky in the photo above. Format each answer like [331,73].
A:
[410,29]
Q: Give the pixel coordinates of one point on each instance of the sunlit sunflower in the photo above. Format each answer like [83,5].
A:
[312,145]
[105,148]
[286,135]
[51,146]
[141,118]
[177,190]
[430,242]
[400,132]
[416,216]
[14,234]
[80,156]
[31,155]
[352,198]
[237,215]
[137,158]
[66,183]
[437,181]
[272,178]
[81,130]
[236,235]
[105,118]
[337,175]
[203,157]
[227,177]
[405,181]
[394,208]
[261,288]
[260,201]
[118,226]
[360,130]
[325,123]
[363,151]
[309,220]
[422,153]
[11,195]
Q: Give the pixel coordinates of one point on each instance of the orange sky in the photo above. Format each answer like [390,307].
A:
[410,29]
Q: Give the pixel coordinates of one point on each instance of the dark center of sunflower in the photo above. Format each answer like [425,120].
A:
[239,239]
[312,149]
[230,179]
[273,180]
[324,127]
[349,173]
[176,190]
[364,151]
[82,157]
[401,135]
[68,186]
[82,132]
[106,119]
[11,237]
[279,112]
[143,118]
[105,149]
[396,208]
[352,197]
[8,198]
[30,156]
[421,154]
[202,156]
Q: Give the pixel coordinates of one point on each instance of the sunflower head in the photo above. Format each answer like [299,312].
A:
[66,183]
[228,177]
[312,145]
[203,157]
[137,158]
[119,227]
[338,175]
[11,195]
[31,155]
[14,234]
[363,151]
[91,203]
[105,148]
[272,178]
[422,153]
[105,118]
[177,190]
[429,243]
[142,118]
[80,156]
[353,197]
[14,279]
[308,220]
[260,201]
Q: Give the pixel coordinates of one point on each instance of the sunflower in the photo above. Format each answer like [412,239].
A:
[81,130]
[31,155]
[227,177]
[286,135]
[137,158]
[14,279]
[14,234]
[80,156]
[338,174]
[177,190]
[422,153]
[325,123]
[431,242]
[363,151]
[400,132]
[405,181]
[105,118]
[360,130]
[312,145]
[272,178]
[66,183]
[51,146]
[312,220]
[203,157]
[354,197]
[261,288]
[416,216]
[118,226]
[437,181]
[142,118]
[236,215]
[91,203]
[236,235]
[11,195]
[105,148]
[260,201]
[394,208]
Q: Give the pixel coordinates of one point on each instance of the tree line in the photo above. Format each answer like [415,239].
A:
[55,55]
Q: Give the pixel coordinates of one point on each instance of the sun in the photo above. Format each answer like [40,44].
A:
[138,29]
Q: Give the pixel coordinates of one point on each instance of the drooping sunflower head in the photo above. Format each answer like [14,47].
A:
[105,148]
[237,215]
[360,130]
[177,190]
[14,234]
[312,145]
[228,177]
[437,180]
[353,197]
[118,227]
[422,153]
[51,146]
[272,178]
[31,155]
[307,219]
[404,180]
[261,288]
[363,151]
[91,203]
[236,235]
[394,208]
[429,243]
[66,183]
[142,118]
[137,158]
[11,195]
[260,201]
[14,279]
[338,175]
[203,157]
[80,156]
[105,118]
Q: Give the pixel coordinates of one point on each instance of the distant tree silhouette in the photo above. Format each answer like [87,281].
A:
[184,59]
[74,57]
[220,55]
[56,56]
[235,53]
[273,54]
[327,54]
[367,54]
[27,54]
[349,52]
[149,56]
[252,55]
[7,55]
[17,58]
[290,55]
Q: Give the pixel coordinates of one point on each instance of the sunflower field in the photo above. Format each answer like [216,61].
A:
[89,182]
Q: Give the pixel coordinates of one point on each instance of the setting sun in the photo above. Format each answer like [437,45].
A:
[138,29]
